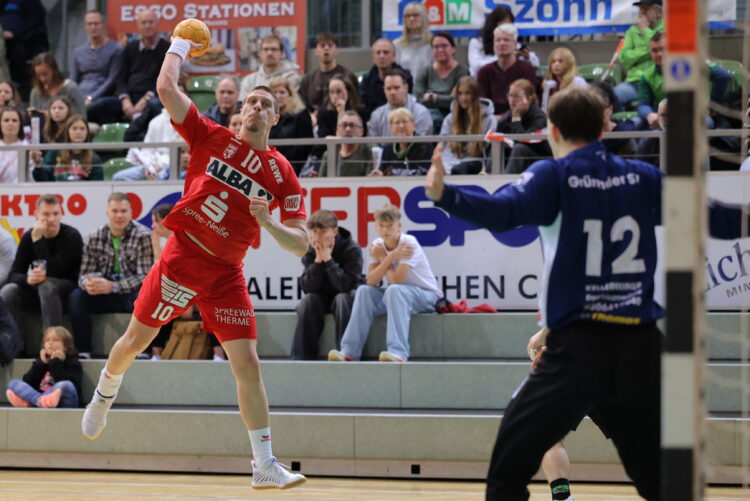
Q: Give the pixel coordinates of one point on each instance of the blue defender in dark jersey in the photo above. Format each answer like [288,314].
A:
[596,215]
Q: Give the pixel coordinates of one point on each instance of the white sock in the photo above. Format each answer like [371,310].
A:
[260,440]
[109,384]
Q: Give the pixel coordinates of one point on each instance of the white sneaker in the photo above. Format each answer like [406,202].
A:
[95,416]
[275,476]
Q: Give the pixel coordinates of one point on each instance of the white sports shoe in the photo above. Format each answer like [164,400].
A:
[95,416]
[275,476]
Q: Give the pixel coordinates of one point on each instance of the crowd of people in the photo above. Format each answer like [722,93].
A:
[506,91]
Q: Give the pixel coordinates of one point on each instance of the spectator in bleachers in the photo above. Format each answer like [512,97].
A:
[435,87]
[294,123]
[413,51]
[494,79]
[9,95]
[332,271]
[97,62]
[135,88]
[404,158]
[351,159]
[54,379]
[4,70]
[524,116]
[619,146]
[8,249]
[469,115]
[342,96]
[46,265]
[11,134]
[481,48]
[235,123]
[397,96]
[649,149]
[153,163]
[314,86]
[227,100]
[371,90]
[634,54]
[116,259]
[25,32]
[59,111]
[411,289]
[50,83]
[274,65]
[562,72]
[71,165]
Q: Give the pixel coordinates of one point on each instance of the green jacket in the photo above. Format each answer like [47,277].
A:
[634,54]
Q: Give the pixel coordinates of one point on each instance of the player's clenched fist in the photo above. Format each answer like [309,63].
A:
[259,210]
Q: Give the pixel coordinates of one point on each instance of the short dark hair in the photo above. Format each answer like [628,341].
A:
[395,72]
[657,36]
[326,38]
[273,96]
[322,220]
[446,35]
[605,91]
[161,210]
[49,199]
[118,196]
[578,112]
[272,38]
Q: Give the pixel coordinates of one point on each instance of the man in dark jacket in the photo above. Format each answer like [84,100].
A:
[25,33]
[227,94]
[333,270]
[371,90]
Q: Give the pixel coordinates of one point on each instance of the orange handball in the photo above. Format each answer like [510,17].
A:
[195,30]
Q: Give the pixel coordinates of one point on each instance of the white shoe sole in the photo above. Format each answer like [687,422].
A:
[296,483]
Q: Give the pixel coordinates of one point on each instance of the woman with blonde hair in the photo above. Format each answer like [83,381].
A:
[562,72]
[295,122]
[404,158]
[413,50]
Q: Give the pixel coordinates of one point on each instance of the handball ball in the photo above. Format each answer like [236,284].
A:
[195,30]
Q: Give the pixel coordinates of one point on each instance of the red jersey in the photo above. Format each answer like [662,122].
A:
[224,173]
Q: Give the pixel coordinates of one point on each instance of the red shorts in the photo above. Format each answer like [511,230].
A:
[185,275]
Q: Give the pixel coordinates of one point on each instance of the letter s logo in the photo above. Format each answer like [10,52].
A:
[214,208]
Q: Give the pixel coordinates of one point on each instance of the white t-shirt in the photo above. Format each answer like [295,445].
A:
[9,164]
[420,274]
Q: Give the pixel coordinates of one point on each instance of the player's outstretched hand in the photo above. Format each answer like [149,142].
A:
[259,210]
[435,177]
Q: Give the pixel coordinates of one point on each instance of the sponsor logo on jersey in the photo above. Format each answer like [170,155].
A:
[276,171]
[236,180]
[291,203]
[230,150]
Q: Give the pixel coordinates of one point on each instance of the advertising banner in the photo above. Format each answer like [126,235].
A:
[539,17]
[236,29]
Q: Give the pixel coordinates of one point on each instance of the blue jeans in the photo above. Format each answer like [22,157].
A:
[625,92]
[68,399]
[399,302]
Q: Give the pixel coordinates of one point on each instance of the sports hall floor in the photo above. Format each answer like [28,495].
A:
[25,485]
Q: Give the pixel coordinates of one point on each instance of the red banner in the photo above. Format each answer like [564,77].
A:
[236,29]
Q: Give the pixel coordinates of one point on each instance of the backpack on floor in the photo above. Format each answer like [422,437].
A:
[187,341]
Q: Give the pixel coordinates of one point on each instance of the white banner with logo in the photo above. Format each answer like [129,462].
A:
[539,17]
[469,263]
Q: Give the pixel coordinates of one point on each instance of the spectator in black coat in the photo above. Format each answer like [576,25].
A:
[523,117]
[295,122]
[25,32]
[371,91]
[227,100]
[333,271]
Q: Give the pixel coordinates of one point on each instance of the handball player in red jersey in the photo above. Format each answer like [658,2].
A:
[233,183]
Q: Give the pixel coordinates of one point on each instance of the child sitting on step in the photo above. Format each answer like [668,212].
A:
[54,379]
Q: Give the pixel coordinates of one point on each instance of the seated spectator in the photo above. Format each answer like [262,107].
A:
[413,51]
[8,249]
[494,79]
[619,146]
[397,94]
[470,115]
[227,103]
[235,123]
[116,259]
[314,86]
[153,163]
[9,95]
[71,165]
[372,88]
[404,158]
[49,83]
[59,111]
[435,87]
[562,72]
[97,62]
[634,54]
[11,134]
[295,123]
[46,265]
[25,32]
[352,159]
[481,49]
[342,96]
[332,271]
[649,149]
[274,65]
[411,289]
[54,379]
[135,86]
[525,116]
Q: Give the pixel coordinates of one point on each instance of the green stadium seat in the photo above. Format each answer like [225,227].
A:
[595,71]
[735,69]
[111,133]
[113,165]
[202,100]
[624,115]
[203,84]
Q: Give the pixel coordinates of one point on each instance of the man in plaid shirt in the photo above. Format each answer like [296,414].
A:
[116,259]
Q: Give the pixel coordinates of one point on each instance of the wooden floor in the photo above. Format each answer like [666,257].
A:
[18,485]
